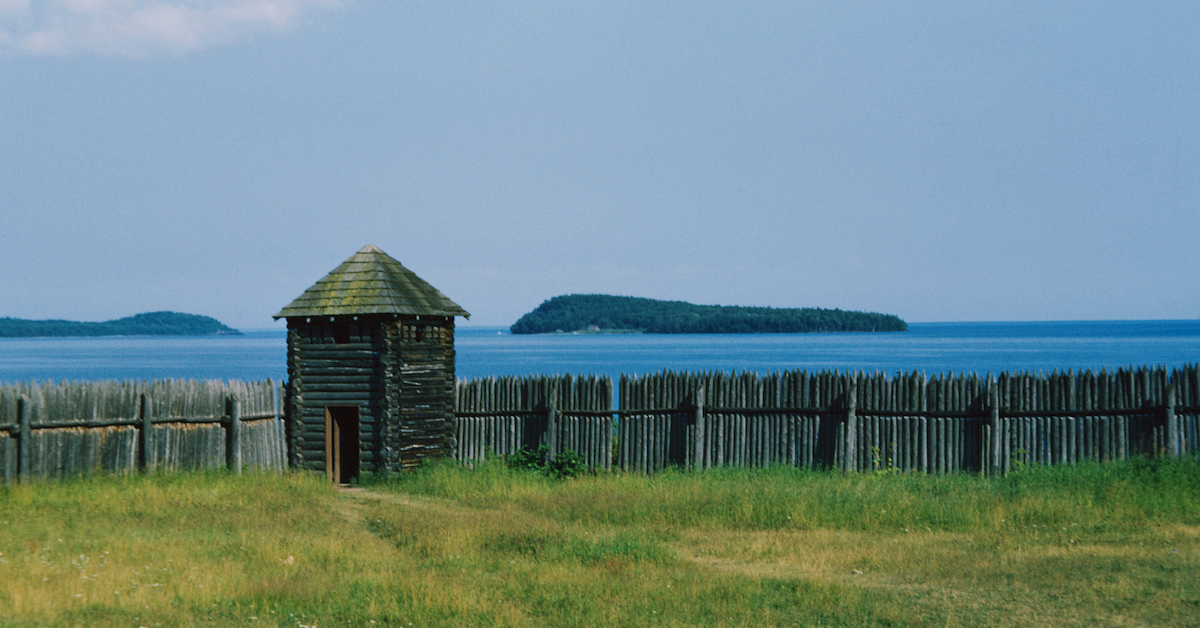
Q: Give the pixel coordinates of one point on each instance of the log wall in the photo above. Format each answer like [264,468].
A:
[420,396]
[398,372]
[334,363]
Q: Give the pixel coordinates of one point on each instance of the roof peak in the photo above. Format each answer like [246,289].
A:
[371,282]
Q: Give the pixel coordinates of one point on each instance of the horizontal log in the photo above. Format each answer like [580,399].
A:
[420,446]
[521,413]
[318,387]
[930,414]
[310,369]
[332,360]
[358,359]
[413,436]
[103,423]
[360,349]
[406,348]
[411,416]
[309,345]
[424,369]
[424,401]
[1082,413]
[417,352]
[425,427]
[833,410]
[423,397]
[366,381]
[341,398]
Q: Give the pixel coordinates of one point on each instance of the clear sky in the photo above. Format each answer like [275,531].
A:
[942,161]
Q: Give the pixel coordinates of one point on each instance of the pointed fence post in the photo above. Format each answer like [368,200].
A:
[994,412]
[24,441]
[552,426]
[1172,424]
[233,436]
[850,458]
[280,450]
[698,459]
[145,409]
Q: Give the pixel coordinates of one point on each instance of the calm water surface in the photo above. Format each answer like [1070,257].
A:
[929,347]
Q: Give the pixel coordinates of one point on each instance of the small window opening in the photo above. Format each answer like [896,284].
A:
[341,334]
[420,333]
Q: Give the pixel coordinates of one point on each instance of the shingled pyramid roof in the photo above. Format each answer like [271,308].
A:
[371,282]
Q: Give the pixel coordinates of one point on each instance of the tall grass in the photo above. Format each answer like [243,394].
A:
[1083,545]
[187,549]
[1079,545]
[1124,496]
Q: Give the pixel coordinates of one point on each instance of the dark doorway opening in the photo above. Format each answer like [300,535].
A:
[341,443]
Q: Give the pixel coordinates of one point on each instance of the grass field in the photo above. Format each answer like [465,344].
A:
[1115,545]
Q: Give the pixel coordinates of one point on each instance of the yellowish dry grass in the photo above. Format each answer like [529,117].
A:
[995,578]
[493,547]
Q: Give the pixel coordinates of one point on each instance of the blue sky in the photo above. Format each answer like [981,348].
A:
[956,161]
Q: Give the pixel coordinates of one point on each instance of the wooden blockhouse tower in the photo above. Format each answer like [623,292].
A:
[370,369]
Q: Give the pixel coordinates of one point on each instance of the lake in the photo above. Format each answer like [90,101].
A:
[483,351]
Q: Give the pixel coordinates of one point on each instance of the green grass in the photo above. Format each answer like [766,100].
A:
[1083,545]
[1125,496]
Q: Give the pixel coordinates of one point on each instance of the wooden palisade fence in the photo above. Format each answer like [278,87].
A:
[850,421]
[62,429]
[501,415]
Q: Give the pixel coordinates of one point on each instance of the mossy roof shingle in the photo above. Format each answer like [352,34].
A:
[371,282]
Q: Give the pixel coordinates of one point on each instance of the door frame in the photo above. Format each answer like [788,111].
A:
[342,423]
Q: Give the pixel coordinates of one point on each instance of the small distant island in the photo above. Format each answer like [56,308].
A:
[598,313]
[149,324]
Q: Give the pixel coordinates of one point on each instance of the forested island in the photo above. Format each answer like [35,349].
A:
[600,313]
[149,324]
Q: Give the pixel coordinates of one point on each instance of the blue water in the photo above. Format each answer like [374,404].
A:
[252,356]
[928,347]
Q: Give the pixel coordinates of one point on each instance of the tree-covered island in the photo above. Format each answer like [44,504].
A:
[149,324]
[603,313]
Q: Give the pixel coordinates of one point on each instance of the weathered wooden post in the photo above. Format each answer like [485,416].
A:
[280,450]
[994,411]
[552,443]
[850,458]
[147,461]
[1172,423]
[924,422]
[25,441]
[233,435]
[698,460]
